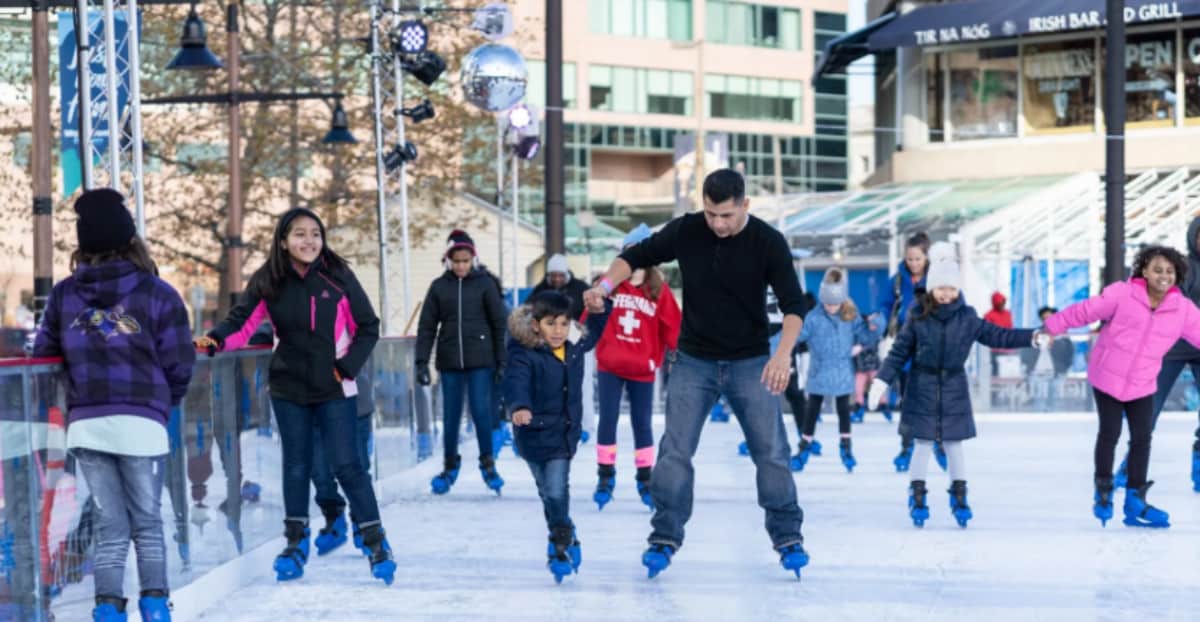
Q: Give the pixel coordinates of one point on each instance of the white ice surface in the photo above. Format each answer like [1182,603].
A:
[1033,552]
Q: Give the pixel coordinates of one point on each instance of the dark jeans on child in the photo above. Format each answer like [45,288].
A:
[552,477]
[328,498]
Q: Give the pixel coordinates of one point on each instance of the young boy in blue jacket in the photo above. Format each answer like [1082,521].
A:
[543,390]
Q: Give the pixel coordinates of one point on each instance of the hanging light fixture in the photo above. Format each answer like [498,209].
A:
[339,129]
[194,53]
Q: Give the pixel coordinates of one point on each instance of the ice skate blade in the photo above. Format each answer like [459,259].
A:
[1134,522]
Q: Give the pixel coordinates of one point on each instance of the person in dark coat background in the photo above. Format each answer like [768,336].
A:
[894,307]
[1183,353]
[560,279]
[464,314]
[937,339]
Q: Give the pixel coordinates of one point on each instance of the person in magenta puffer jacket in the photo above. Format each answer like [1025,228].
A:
[1143,318]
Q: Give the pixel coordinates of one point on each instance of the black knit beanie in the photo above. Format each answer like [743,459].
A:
[104,223]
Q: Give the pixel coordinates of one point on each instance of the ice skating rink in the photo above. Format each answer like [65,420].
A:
[1033,551]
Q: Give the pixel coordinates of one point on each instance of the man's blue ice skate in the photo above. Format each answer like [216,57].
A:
[793,557]
[657,558]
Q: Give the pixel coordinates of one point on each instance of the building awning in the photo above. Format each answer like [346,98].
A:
[849,47]
[982,20]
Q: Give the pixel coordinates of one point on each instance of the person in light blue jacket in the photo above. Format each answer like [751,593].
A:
[835,333]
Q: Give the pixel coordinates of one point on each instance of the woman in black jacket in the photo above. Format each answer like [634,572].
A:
[325,330]
[464,315]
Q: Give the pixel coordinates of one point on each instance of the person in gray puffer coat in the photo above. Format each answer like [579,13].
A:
[835,333]
[1183,354]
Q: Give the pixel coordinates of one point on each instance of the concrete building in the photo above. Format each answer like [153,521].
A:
[641,77]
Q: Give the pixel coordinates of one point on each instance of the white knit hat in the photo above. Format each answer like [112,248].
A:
[558,263]
[943,267]
[833,288]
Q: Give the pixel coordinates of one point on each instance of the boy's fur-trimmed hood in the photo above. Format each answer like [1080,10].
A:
[520,328]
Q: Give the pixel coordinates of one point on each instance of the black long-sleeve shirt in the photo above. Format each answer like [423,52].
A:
[724,283]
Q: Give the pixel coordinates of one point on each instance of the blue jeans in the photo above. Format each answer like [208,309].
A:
[641,405]
[337,422]
[1166,381]
[127,491]
[552,477]
[328,498]
[477,383]
[694,387]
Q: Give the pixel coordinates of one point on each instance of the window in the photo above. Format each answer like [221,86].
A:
[655,19]
[1150,96]
[628,89]
[740,97]
[741,23]
[983,93]
[835,22]
[535,88]
[1060,86]
[1191,76]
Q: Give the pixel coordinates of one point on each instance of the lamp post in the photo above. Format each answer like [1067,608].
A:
[194,55]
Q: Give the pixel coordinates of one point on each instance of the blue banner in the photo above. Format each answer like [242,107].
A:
[69,89]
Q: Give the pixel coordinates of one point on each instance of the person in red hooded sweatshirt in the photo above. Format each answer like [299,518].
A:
[646,321]
[1000,317]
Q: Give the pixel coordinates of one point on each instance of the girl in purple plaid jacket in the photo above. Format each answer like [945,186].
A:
[127,356]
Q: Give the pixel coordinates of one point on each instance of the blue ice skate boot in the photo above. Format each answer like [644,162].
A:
[958,502]
[939,454]
[442,482]
[903,459]
[1121,479]
[1196,467]
[657,558]
[497,442]
[918,508]
[109,609]
[718,414]
[379,553]
[487,468]
[584,436]
[1138,513]
[793,557]
[887,412]
[332,535]
[847,456]
[1102,505]
[743,449]
[606,481]
[858,414]
[643,487]
[289,564]
[424,445]
[815,449]
[803,453]
[559,559]
[154,606]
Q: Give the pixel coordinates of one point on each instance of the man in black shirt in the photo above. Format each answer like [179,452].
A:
[727,259]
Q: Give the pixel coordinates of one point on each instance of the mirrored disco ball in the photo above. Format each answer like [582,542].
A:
[494,77]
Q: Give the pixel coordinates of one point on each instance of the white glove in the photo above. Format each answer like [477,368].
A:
[876,393]
[856,350]
[1042,340]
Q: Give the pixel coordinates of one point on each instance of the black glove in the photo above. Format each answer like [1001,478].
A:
[423,376]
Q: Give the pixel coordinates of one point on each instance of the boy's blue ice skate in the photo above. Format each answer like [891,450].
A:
[379,553]
[109,609]
[332,535]
[563,554]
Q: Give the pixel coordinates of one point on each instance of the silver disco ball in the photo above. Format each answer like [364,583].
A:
[494,77]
